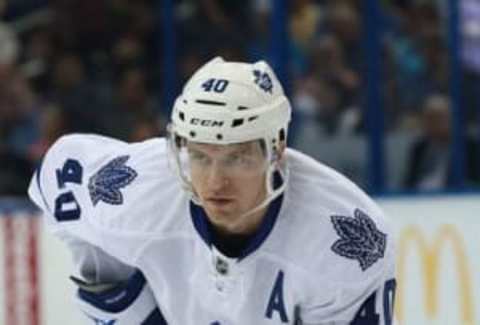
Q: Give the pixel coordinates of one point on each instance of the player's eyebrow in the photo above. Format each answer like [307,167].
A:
[237,149]
[195,151]
[243,150]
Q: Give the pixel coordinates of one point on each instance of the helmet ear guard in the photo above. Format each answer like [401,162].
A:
[228,103]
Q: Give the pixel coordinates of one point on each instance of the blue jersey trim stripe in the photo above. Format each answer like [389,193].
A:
[40,190]
[265,228]
[200,222]
[118,298]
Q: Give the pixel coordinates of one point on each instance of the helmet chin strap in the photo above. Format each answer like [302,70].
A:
[272,193]
[275,165]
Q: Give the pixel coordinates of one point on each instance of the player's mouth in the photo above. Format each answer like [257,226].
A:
[218,202]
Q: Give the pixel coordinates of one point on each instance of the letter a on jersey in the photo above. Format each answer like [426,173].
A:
[276,302]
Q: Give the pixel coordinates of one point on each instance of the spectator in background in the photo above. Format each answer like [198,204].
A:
[429,165]
[22,108]
[206,24]
[259,45]
[132,103]
[37,55]
[53,124]
[14,173]
[146,129]
[317,102]
[133,44]
[470,54]
[189,62]
[305,17]
[329,93]
[17,108]
[9,50]
[344,22]
[416,54]
[80,97]
[82,26]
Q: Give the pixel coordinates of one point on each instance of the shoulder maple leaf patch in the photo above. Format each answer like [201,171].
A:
[105,185]
[360,239]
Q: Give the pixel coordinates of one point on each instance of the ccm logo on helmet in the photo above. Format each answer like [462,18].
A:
[207,123]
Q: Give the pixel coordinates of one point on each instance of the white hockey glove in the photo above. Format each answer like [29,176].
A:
[126,303]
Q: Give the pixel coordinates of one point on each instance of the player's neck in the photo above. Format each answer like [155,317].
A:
[246,226]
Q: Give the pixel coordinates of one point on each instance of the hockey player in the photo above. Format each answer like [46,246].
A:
[219,224]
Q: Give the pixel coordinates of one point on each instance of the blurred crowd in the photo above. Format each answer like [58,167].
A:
[96,66]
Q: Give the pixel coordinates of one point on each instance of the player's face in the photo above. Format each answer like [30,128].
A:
[230,181]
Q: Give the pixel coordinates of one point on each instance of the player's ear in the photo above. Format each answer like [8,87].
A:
[282,148]
[278,154]
[282,144]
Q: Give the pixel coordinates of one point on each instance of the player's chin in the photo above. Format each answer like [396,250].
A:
[220,210]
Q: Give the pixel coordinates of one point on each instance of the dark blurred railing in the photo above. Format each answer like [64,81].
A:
[457,110]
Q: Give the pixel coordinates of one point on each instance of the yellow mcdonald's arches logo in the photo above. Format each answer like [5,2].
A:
[412,237]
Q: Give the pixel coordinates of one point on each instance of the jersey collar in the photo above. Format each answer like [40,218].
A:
[204,227]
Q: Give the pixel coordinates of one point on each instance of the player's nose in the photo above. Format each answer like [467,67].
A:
[217,178]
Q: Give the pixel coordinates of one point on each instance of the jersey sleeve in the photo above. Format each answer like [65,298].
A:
[93,265]
[360,280]
[349,258]
[61,187]
[58,185]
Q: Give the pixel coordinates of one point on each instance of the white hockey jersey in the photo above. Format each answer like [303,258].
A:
[323,255]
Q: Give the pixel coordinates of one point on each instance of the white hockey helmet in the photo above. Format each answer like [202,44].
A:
[231,102]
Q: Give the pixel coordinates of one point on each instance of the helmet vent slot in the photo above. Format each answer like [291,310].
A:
[237,122]
[210,102]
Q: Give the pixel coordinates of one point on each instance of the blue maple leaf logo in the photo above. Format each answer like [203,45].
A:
[105,185]
[360,239]
[263,80]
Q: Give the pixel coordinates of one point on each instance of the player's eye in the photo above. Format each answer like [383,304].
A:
[235,159]
[198,157]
